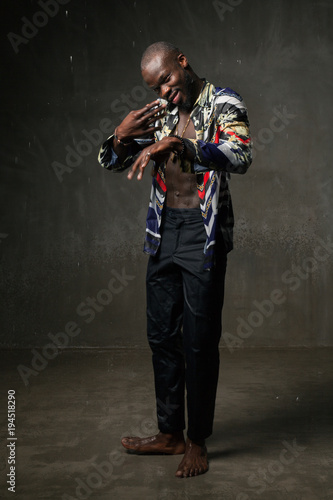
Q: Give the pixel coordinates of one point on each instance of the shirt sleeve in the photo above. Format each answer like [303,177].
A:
[230,148]
[108,158]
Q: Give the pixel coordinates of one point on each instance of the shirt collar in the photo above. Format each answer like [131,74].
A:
[205,96]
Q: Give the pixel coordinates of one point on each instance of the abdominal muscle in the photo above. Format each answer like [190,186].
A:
[181,187]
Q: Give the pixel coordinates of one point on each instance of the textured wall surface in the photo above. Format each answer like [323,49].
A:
[71,234]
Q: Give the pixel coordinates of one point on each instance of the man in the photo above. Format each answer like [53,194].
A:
[196,135]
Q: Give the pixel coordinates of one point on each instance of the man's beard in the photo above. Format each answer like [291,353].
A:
[189,92]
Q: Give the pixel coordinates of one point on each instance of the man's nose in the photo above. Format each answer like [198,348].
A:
[165,90]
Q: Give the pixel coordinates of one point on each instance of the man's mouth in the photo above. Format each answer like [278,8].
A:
[174,97]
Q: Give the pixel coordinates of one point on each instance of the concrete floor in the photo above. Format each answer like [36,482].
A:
[272,439]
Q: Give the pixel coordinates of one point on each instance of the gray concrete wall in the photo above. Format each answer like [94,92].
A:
[70,230]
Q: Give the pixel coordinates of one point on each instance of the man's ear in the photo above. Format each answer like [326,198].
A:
[182,61]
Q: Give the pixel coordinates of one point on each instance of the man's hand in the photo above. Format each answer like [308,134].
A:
[137,123]
[158,152]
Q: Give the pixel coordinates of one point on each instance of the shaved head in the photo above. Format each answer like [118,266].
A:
[158,48]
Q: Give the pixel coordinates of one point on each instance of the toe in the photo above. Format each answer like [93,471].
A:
[186,473]
[128,442]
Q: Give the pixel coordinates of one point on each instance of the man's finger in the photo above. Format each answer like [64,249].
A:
[133,170]
[149,106]
[143,165]
[155,118]
[151,130]
[152,104]
[152,109]
[140,163]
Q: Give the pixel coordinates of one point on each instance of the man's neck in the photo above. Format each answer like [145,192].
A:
[198,85]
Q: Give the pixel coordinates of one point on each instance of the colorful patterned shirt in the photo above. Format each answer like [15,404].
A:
[222,146]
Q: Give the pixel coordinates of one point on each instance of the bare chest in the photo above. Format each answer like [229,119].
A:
[181,187]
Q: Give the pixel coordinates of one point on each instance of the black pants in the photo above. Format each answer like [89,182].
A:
[184,306]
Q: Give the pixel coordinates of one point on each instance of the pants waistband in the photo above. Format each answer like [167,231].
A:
[183,213]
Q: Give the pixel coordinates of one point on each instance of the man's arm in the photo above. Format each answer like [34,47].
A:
[231,149]
[109,158]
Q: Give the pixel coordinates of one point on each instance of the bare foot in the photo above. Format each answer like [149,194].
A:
[195,460]
[171,444]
